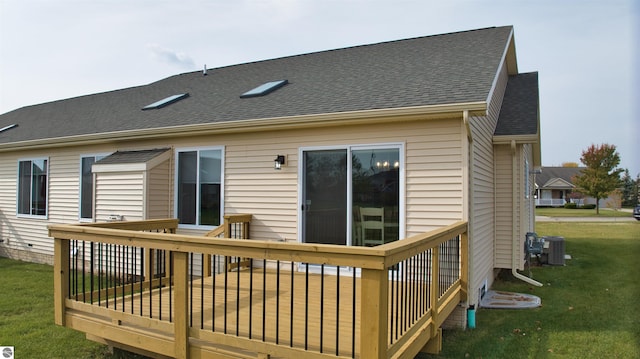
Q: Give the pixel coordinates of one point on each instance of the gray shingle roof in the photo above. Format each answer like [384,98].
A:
[442,69]
[550,173]
[125,157]
[520,106]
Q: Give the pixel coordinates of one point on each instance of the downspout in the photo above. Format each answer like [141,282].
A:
[515,243]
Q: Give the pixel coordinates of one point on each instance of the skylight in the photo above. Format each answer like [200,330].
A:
[166,101]
[264,89]
[6,128]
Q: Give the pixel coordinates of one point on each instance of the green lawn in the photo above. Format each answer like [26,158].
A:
[589,307]
[26,316]
[576,212]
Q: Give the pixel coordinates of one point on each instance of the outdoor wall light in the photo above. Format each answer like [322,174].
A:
[278,162]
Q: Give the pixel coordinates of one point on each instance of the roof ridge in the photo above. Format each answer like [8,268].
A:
[348,48]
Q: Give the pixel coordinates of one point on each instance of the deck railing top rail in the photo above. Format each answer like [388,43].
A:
[379,257]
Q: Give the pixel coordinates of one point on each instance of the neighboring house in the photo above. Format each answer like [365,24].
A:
[554,186]
[432,130]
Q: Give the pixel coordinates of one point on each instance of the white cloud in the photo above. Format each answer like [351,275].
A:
[171,57]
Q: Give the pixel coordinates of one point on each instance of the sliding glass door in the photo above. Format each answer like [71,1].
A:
[351,196]
[324,205]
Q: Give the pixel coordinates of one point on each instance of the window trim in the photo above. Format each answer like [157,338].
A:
[46,199]
[175,184]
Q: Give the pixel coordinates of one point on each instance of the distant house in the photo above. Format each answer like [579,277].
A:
[430,131]
[554,186]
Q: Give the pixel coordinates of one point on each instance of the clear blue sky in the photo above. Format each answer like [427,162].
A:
[584,50]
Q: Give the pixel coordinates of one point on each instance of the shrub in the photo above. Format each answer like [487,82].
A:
[588,206]
[570,205]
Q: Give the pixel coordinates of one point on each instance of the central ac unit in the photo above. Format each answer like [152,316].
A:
[554,250]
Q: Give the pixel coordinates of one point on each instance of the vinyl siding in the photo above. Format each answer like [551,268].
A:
[159,201]
[482,214]
[529,202]
[120,193]
[434,181]
[504,206]
[515,217]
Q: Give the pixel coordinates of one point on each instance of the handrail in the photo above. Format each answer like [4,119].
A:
[416,262]
[379,257]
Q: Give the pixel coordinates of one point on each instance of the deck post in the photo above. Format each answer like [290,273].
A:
[181,308]
[464,264]
[374,313]
[435,290]
[60,278]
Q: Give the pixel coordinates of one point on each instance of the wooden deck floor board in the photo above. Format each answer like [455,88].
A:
[245,307]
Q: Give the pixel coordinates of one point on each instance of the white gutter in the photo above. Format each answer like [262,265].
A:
[515,243]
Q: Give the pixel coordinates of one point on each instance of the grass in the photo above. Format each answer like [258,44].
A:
[589,307]
[579,212]
[26,316]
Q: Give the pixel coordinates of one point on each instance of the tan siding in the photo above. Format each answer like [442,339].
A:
[159,190]
[482,215]
[433,184]
[433,162]
[504,210]
[529,205]
[119,193]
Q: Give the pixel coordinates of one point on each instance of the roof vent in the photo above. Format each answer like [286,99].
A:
[204,70]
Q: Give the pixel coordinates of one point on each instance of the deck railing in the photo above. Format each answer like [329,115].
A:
[141,286]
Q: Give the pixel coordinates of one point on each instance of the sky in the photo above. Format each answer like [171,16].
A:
[584,50]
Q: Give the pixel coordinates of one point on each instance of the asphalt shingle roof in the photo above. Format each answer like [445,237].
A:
[550,173]
[441,69]
[520,106]
[125,157]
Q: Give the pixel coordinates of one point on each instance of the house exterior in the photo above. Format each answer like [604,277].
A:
[430,130]
[554,186]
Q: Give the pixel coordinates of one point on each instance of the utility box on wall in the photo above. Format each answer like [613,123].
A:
[553,252]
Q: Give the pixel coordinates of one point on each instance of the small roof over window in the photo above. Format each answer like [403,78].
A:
[166,101]
[124,161]
[264,89]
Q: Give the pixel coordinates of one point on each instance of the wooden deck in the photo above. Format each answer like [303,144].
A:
[264,316]
[392,307]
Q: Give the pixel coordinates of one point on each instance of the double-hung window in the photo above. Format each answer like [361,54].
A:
[199,186]
[33,187]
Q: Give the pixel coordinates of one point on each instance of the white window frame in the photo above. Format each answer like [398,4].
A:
[197,204]
[97,157]
[46,210]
